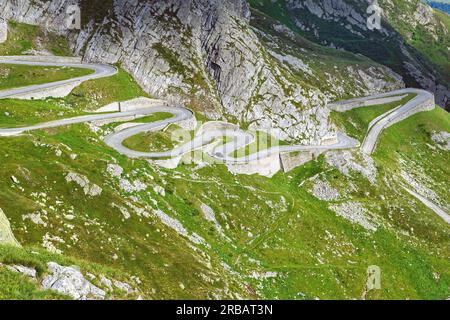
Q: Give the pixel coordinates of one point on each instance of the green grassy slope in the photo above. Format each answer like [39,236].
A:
[23,38]
[272,224]
[409,144]
[155,141]
[87,97]
[13,76]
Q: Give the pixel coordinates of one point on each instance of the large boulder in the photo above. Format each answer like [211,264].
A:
[6,235]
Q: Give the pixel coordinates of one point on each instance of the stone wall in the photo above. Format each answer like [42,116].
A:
[353,104]
[290,161]
[266,167]
[427,105]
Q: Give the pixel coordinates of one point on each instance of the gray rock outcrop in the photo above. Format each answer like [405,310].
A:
[27,271]
[6,235]
[90,189]
[3,30]
[356,213]
[442,139]
[324,191]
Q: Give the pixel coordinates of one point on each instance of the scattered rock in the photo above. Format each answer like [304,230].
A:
[134,186]
[123,286]
[160,190]
[324,191]
[208,212]
[89,189]
[178,227]
[36,218]
[70,281]
[356,213]
[47,243]
[209,215]
[346,162]
[123,210]
[442,139]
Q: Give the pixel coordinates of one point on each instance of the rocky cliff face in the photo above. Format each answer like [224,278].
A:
[205,53]
[413,39]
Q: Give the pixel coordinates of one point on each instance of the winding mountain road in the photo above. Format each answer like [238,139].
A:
[100,71]
[240,139]
[422,101]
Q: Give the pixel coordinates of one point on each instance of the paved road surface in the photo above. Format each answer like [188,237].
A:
[383,121]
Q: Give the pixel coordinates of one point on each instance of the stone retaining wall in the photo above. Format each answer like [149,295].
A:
[353,104]
[49,58]
[290,161]
[266,167]
[428,105]
[217,125]
[131,105]
[54,92]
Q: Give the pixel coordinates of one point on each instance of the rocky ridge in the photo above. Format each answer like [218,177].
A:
[408,29]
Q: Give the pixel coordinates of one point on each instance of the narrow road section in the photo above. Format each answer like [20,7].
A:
[100,71]
[439,211]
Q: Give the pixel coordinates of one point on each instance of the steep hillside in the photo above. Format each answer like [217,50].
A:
[206,54]
[130,228]
[198,232]
[413,39]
